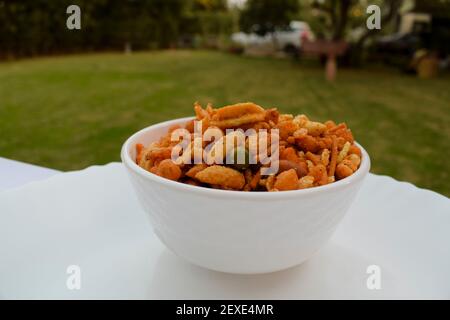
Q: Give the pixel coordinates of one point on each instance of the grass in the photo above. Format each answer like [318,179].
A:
[71,112]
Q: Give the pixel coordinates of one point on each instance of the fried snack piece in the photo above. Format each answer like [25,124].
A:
[169,170]
[248,177]
[306,142]
[255,180]
[325,157]
[319,172]
[306,182]
[222,176]
[334,155]
[257,126]
[200,112]
[348,166]
[191,173]
[354,150]
[300,167]
[315,158]
[232,116]
[341,131]
[287,180]
[238,110]
[144,160]
[345,169]
[139,149]
[160,153]
[355,159]
[343,152]
[325,142]
[270,181]
[287,128]
[236,122]
[272,116]
[313,128]
[289,153]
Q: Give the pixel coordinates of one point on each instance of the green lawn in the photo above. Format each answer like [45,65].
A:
[71,112]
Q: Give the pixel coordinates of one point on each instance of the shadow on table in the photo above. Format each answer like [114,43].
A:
[334,272]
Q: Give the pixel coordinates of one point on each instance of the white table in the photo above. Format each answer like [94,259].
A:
[14,173]
[91,219]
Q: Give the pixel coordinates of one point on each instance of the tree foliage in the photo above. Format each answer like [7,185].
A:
[343,15]
[39,26]
[268,14]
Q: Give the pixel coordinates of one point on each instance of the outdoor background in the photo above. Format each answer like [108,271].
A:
[69,98]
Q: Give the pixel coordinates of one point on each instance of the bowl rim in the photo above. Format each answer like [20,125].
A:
[131,165]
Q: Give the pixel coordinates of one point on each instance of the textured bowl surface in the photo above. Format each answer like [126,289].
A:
[235,231]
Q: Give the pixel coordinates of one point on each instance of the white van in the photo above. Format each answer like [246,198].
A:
[288,39]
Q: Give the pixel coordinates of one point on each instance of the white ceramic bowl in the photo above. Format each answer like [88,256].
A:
[235,231]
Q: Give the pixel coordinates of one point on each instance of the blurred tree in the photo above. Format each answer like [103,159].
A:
[39,26]
[338,12]
[268,14]
[209,21]
[439,8]
[342,14]
[391,8]
[145,23]
[209,5]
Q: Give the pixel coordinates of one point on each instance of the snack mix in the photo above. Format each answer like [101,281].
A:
[308,154]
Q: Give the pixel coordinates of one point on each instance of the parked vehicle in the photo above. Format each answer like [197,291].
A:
[417,31]
[411,36]
[288,38]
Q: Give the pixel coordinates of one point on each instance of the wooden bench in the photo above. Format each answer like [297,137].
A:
[331,49]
